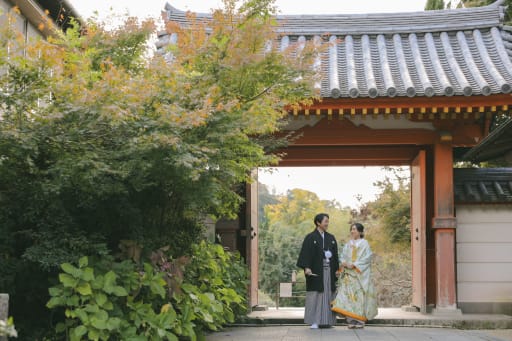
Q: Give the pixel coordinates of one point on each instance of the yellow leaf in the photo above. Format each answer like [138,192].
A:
[165,308]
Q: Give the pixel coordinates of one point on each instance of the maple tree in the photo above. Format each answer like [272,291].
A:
[102,142]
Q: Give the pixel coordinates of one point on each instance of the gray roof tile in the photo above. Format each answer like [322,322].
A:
[495,145]
[482,185]
[431,53]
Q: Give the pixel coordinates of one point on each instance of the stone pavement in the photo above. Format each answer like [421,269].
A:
[370,333]
[391,317]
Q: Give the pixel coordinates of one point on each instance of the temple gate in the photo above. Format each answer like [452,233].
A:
[416,89]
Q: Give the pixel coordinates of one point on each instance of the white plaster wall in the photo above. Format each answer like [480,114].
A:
[484,253]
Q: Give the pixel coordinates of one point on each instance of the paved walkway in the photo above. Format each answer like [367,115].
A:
[392,317]
[370,333]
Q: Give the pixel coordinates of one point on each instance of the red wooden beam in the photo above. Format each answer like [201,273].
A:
[345,133]
[348,156]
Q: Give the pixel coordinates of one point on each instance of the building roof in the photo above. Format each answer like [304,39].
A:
[496,144]
[482,185]
[59,11]
[430,53]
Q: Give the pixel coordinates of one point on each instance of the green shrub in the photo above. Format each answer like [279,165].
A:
[216,284]
[170,298]
[121,303]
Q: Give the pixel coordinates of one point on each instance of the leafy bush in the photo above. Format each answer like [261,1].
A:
[216,283]
[121,303]
[107,299]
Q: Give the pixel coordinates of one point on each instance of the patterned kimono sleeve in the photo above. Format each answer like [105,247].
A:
[344,254]
[364,256]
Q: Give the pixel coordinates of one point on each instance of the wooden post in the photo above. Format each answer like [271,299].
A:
[251,227]
[418,231]
[444,225]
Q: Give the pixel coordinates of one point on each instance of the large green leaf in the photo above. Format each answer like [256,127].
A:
[91,308]
[84,289]
[68,280]
[81,314]
[70,269]
[108,305]
[93,334]
[101,315]
[100,298]
[79,331]
[98,323]
[98,282]
[60,327]
[73,300]
[113,323]
[119,291]
[109,281]
[157,287]
[88,274]
[54,291]
[168,316]
[83,262]
[56,302]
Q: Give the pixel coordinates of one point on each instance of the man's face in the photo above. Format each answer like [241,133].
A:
[324,224]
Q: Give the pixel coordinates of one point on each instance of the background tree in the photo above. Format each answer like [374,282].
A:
[100,143]
[439,4]
[387,225]
[393,208]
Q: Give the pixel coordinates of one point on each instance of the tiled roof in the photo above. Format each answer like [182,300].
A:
[494,145]
[61,12]
[482,185]
[430,53]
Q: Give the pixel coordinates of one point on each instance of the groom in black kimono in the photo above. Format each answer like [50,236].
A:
[319,259]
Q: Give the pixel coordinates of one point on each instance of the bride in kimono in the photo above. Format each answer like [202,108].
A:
[355,298]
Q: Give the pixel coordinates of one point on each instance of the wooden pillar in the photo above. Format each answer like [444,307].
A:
[251,229]
[444,224]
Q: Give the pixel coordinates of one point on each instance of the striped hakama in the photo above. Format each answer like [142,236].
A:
[318,304]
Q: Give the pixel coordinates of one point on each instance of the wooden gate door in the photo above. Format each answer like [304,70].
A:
[252,237]
[418,231]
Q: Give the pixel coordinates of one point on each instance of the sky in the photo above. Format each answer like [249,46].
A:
[152,8]
[342,184]
[339,183]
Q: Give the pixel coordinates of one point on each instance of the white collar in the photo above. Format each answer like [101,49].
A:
[356,242]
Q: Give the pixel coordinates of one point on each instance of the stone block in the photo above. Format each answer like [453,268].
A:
[4,306]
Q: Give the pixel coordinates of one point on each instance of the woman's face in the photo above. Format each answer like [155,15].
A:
[354,233]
